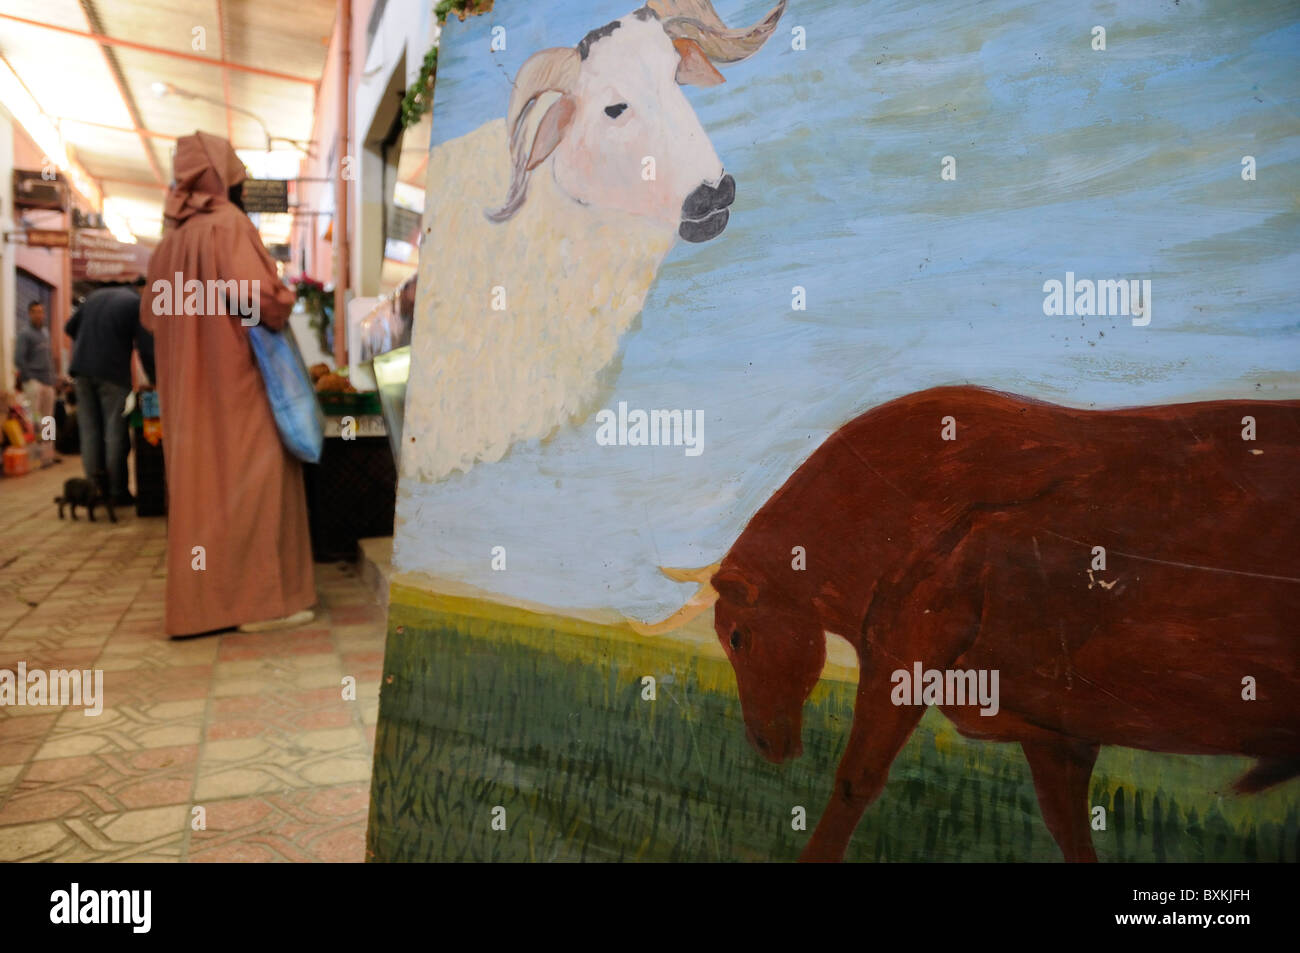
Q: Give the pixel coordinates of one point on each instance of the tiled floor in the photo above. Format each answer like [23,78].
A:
[252,729]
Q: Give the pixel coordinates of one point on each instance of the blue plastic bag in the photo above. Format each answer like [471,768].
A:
[293,400]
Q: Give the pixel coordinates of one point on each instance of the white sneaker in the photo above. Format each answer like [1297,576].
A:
[286,622]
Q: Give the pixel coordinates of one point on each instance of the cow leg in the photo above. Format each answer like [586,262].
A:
[880,729]
[1061,770]
[941,596]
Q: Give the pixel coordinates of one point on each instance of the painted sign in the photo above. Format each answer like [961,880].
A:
[100,257]
[842,432]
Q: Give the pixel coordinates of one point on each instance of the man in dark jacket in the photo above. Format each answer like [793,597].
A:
[105,329]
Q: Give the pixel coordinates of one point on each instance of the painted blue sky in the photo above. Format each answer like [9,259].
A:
[1117,164]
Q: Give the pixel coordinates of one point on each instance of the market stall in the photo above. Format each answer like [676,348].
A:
[352,490]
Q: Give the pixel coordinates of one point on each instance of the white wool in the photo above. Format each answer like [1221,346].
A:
[574,277]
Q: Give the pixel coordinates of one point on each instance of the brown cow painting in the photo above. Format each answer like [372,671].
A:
[1131,576]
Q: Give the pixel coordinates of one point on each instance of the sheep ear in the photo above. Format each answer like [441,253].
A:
[551,130]
[695,68]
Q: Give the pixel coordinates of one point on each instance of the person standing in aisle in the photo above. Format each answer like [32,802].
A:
[35,372]
[105,330]
[238,547]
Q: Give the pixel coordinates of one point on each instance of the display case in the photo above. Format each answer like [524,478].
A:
[352,491]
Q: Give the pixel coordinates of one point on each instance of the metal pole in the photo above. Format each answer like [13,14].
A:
[342,253]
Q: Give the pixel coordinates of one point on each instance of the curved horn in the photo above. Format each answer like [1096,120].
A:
[701,575]
[546,71]
[703,600]
[697,20]
[552,70]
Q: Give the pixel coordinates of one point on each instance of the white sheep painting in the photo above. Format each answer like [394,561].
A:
[545,230]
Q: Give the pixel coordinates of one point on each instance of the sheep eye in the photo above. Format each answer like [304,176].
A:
[735,638]
[613,112]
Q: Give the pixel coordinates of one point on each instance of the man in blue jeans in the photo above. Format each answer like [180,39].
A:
[105,329]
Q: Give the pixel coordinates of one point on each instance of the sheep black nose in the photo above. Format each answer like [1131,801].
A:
[704,213]
[707,199]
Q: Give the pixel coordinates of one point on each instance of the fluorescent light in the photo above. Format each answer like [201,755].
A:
[44,133]
[409,197]
[115,219]
[277,164]
[26,110]
[275,228]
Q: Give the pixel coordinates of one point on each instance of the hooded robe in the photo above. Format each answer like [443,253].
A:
[232,487]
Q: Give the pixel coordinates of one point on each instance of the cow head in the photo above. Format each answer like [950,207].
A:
[776,650]
[622,133]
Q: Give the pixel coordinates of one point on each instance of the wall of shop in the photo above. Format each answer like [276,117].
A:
[311,251]
[7,270]
[48,266]
[389,41]
[45,265]
[312,247]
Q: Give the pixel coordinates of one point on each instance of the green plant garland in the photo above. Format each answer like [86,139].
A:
[419,98]
[319,305]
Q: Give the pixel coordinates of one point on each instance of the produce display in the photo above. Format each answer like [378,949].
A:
[326,381]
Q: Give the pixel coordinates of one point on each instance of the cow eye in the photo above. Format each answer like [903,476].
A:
[735,638]
[614,111]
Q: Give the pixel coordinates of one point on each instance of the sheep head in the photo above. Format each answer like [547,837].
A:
[622,133]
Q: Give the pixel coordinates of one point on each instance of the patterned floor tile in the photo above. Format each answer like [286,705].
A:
[162,724]
[247,716]
[368,707]
[322,824]
[359,638]
[9,774]
[22,734]
[45,659]
[253,728]
[356,615]
[276,762]
[237,646]
[277,674]
[141,686]
[123,654]
[105,783]
[155,835]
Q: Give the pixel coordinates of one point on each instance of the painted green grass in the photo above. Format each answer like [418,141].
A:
[480,713]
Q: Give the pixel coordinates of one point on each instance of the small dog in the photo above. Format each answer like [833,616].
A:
[82,492]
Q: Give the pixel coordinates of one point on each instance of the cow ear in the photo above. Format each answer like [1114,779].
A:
[551,130]
[732,586]
[695,68]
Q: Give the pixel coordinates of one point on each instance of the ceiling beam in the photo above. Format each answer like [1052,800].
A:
[225,73]
[115,70]
[161,51]
[137,183]
[148,132]
[61,120]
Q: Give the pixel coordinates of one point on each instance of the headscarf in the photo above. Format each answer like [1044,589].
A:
[205,169]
